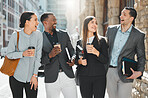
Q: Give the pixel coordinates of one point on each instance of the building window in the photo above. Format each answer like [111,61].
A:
[130,3]
[10,31]
[105,17]
[10,20]
[20,9]
[4,1]
[0,31]
[0,6]
[4,13]
[126,3]
[13,3]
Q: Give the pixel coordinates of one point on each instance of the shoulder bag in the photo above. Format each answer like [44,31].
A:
[10,65]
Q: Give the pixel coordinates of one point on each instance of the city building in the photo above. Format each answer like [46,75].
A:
[42,9]
[1,25]
[73,21]
[9,16]
[58,7]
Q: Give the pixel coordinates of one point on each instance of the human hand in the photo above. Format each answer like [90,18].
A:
[28,53]
[71,63]
[92,49]
[135,74]
[82,61]
[34,82]
[55,51]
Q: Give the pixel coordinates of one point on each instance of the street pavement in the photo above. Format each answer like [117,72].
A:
[5,91]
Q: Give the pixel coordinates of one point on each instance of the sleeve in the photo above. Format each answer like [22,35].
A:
[12,52]
[45,58]
[103,56]
[107,34]
[77,53]
[140,49]
[69,46]
[38,53]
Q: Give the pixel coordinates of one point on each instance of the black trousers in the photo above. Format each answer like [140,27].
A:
[92,86]
[17,89]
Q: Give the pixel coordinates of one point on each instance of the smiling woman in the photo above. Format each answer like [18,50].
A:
[29,23]
[25,75]
[91,67]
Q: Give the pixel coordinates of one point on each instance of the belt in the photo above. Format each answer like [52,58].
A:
[60,70]
[110,66]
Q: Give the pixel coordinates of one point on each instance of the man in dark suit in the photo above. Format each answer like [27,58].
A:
[59,75]
[124,41]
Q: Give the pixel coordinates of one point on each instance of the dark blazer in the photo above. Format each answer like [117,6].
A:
[133,46]
[96,66]
[51,69]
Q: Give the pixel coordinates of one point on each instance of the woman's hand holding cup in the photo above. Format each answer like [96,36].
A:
[30,52]
[91,49]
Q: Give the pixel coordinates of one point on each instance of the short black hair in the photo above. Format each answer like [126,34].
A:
[25,16]
[133,13]
[45,15]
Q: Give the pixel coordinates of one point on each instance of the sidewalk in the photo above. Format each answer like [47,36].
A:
[5,91]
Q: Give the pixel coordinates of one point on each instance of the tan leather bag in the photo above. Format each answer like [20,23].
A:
[10,65]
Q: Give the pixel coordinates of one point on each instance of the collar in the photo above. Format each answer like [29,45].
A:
[26,35]
[90,40]
[49,33]
[128,31]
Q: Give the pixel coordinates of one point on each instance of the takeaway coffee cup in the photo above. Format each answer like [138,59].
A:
[58,45]
[88,45]
[32,48]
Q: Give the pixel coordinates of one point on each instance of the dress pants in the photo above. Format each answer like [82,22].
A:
[115,87]
[63,84]
[92,86]
[17,89]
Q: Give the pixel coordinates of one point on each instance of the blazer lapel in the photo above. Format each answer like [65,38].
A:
[131,36]
[59,37]
[114,32]
[46,41]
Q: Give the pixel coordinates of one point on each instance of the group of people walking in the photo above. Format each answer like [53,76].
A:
[97,69]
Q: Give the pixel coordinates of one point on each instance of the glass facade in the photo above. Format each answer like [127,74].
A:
[59,9]
[11,10]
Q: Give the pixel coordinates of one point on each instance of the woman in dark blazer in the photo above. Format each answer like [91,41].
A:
[91,67]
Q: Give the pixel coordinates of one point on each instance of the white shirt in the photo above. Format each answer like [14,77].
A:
[90,40]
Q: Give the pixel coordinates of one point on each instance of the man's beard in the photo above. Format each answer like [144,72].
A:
[53,29]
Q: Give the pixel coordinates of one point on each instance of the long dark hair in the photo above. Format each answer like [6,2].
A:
[25,16]
[85,30]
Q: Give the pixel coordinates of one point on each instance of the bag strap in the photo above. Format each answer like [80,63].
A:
[17,40]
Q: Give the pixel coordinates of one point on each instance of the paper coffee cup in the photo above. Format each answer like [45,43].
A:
[88,46]
[32,48]
[57,45]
